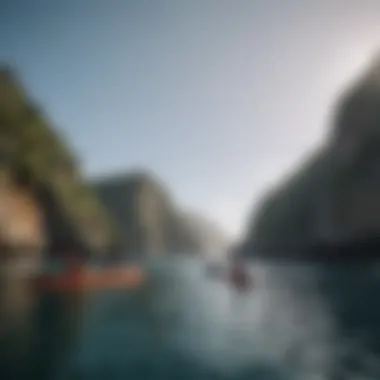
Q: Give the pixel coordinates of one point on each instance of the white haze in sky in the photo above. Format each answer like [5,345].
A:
[218,97]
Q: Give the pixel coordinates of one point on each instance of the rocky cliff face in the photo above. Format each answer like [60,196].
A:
[334,196]
[72,213]
[45,206]
[149,219]
[21,220]
[39,159]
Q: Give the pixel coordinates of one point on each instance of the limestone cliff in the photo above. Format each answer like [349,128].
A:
[21,220]
[46,206]
[151,222]
[38,159]
[334,196]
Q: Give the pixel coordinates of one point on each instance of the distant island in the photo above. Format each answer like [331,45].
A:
[152,222]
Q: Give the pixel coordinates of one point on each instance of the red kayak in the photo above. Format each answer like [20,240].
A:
[79,277]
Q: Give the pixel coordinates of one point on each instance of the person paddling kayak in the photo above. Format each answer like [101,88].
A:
[236,275]
[239,277]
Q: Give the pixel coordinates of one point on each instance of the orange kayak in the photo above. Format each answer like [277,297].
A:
[82,278]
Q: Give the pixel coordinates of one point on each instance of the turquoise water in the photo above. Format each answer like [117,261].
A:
[185,325]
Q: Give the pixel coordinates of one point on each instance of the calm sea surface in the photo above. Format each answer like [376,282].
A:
[185,325]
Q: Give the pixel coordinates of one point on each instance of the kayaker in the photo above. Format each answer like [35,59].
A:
[239,276]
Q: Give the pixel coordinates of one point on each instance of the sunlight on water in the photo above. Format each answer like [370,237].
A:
[281,321]
[284,323]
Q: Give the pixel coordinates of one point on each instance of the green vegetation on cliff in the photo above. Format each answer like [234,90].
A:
[30,147]
[132,211]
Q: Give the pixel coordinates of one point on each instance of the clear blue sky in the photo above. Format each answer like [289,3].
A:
[219,97]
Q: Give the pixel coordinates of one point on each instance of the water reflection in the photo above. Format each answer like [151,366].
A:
[182,324]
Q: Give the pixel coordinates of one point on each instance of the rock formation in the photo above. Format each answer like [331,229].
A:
[46,206]
[73,214]
[37,160]
[334,196]
[148,217]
